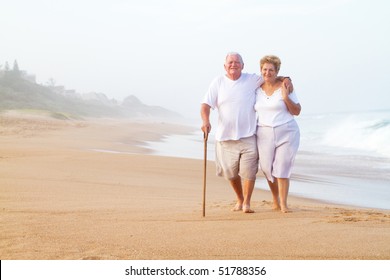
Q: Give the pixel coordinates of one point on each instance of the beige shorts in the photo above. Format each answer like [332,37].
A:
[237,158]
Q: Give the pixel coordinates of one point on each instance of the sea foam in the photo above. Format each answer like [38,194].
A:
[367,133]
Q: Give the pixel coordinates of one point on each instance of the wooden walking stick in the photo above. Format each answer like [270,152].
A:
[205,136]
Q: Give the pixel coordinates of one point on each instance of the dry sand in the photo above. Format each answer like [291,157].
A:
[61,198]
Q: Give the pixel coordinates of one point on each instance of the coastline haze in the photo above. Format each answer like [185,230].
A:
[167,53]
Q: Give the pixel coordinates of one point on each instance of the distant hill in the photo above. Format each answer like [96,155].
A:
[19,92]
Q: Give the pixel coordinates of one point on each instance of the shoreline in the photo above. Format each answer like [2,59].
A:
[61,200]
[323,177]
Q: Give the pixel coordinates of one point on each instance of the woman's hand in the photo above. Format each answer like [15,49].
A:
[286,89]
[293,108]
[288,83]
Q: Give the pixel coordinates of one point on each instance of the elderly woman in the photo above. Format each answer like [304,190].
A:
[277,131]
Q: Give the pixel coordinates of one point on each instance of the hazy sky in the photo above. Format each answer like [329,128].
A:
[167,52]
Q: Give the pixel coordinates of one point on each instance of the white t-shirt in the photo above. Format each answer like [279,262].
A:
[271,110]
[235,102]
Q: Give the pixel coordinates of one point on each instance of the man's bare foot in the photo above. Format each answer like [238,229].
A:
[247,209]
[276,204]
[237,207]
[276,207]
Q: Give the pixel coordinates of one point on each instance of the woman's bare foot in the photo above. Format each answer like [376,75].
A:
[285,209]
[247,209]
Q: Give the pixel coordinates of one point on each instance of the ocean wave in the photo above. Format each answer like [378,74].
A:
[368,133]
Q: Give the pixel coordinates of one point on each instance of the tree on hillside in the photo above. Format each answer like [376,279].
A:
[51,82]
[15,69]
[16,66]
[6,66]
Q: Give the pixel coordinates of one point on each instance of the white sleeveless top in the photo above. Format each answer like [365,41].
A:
[271,110]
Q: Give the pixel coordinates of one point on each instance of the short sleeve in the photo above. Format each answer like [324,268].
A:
[211,96]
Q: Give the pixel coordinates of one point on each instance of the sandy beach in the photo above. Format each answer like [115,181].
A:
[65,195]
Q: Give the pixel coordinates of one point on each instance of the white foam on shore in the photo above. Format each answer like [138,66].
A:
[183,146]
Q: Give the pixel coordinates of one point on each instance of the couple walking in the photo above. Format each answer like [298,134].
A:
[256,128]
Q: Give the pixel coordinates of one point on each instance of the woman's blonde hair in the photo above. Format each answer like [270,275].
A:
[273,59]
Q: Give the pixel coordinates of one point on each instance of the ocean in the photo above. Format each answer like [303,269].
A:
[344,158]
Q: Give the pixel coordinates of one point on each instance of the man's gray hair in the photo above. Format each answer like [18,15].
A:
[235,54]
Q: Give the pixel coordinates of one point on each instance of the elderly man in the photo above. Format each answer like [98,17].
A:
[233,94]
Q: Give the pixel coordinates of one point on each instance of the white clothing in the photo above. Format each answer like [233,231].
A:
[235,102]
[277,147]
[271,110]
